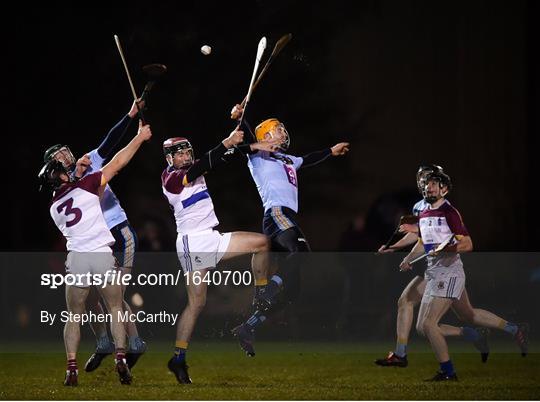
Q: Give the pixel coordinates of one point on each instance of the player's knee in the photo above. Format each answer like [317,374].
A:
[262,244]
[116,310]
[420,328]
[197,304]
[404,302]
[428,326]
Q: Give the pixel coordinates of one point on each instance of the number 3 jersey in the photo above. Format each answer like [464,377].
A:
[76,211]
[276,179]
[192,205]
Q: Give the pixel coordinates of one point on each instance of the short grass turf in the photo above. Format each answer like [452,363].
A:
[282,371]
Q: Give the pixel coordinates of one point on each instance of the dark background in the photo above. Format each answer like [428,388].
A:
[406,82]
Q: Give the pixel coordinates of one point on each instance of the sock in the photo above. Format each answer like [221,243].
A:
[509,327]
[120,354]
[401,349]
[470,334]
[277,280]
[180,350]
[255,320]
[135,343]
[447,367]
[260,282]
[103,342]
[72,365]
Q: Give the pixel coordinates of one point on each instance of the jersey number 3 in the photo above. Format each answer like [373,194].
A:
[68,206]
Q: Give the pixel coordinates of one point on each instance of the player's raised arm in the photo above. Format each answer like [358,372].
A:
[123,157]
[108,143]
[117,132]
[314,158]
[214,157]
[250,144]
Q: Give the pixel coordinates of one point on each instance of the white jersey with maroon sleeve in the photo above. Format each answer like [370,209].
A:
[76,211]
[192,204]
[437,225]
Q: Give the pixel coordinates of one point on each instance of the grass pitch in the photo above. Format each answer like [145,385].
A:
[283,371]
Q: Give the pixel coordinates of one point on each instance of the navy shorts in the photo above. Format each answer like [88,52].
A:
[125,244]
[279,224]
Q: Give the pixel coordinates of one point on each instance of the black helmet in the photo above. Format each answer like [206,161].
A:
[173,145]
[444,181]
[68,159]
[422,172]
[49,174]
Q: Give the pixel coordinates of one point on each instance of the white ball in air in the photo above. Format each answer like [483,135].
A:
[206,50]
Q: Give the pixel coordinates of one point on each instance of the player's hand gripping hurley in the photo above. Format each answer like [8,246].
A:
[433,252]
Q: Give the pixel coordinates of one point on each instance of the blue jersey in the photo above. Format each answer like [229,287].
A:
[275,176]
[419,207]
[113,213]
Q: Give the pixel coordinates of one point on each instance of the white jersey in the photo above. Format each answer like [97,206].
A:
[113,213]
[192,204]
[276,179]
[437,225]
[76,210]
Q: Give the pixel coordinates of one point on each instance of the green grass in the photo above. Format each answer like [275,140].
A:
[300,371]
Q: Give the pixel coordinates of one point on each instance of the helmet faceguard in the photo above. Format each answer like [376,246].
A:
[177,144]
[423,172]
[61,153]
[50,174]
[276,129]
[443,180]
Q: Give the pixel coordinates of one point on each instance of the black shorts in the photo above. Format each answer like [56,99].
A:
[279,224]
[125,244]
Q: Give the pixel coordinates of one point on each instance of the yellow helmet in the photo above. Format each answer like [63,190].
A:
[270,126]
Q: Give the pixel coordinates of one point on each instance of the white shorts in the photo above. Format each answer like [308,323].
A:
[201,249]
[96,263]
[444,284]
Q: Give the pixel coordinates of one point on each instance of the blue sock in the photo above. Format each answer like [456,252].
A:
[277,280]
[255,320]
[511,328]
[401,349]
[470,334]
[447,367]
[180,354]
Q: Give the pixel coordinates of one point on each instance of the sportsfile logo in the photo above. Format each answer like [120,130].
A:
[113,277]
[110,277]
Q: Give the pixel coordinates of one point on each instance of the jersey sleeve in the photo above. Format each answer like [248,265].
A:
[255,158]
[112,138]
[173,180]
[314,158]
[455,222]
[91,182]
[297,161]
[417,208]
[96,159]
